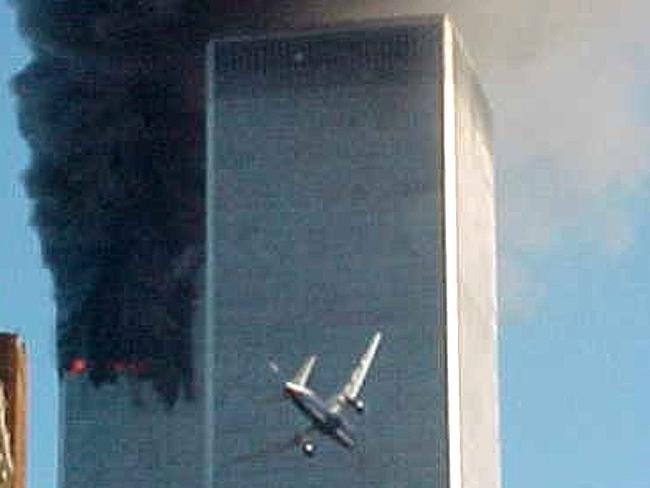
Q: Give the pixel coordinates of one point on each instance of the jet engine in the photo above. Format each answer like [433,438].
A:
[358,404]
[308,449]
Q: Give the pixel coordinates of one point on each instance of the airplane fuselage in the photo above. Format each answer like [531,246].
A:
[315,409]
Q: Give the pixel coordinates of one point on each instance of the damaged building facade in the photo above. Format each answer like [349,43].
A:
[391,230]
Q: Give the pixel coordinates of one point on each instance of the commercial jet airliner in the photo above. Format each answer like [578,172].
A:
[326,416]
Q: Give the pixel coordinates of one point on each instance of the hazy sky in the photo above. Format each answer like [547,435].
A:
[569,90]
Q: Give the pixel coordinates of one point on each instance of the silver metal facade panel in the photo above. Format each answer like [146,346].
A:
[477,303]
[325,224]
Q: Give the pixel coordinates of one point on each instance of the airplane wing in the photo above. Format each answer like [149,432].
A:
[351,389]
[302,375]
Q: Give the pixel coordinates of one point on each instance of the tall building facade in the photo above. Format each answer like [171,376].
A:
[13,411]
[350,190]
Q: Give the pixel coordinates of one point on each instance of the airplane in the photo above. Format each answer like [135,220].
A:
[326,416]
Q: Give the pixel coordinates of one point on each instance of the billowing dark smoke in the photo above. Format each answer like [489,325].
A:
[111,105]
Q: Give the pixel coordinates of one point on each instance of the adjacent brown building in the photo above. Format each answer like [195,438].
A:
[13,403]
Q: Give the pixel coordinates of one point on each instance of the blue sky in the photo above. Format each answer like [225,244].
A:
[575,342]
[575,398]
[26,304]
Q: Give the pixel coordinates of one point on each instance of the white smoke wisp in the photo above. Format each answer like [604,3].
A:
[564,81]
[571,147]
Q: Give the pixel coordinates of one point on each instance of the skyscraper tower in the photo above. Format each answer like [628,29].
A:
[350,189]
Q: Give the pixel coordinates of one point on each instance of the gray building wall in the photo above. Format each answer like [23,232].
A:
[325,218]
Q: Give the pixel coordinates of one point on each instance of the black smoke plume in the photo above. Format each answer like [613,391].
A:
[112,107]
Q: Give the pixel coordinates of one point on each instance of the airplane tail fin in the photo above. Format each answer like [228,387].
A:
[302,375]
